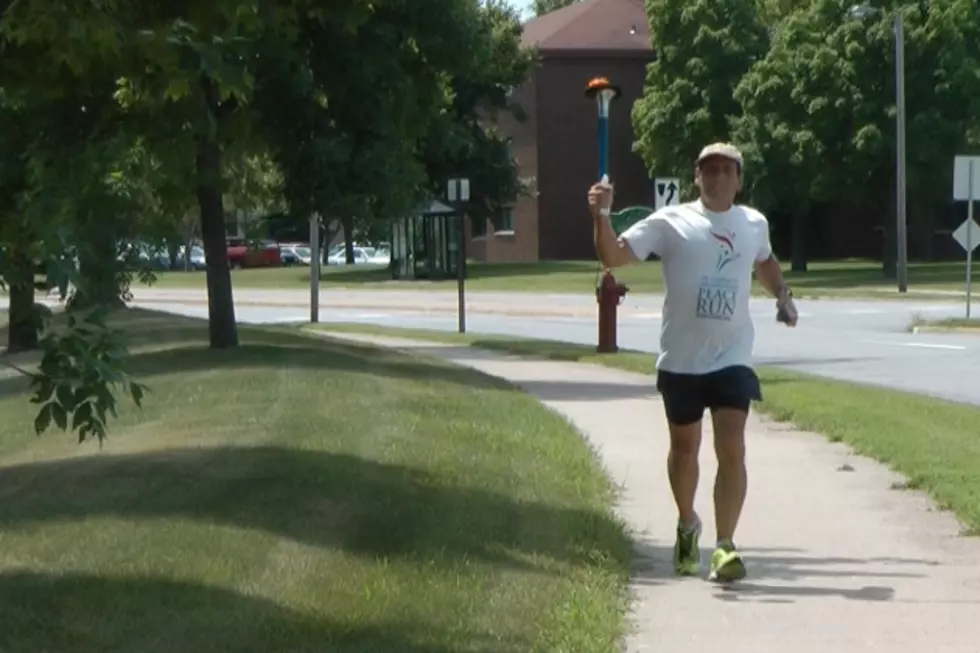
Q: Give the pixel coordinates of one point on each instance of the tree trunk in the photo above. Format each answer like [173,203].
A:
[101,282]
[22,329]
[173,253]
[327,233]
[799,235]
[349,239]
[222,327]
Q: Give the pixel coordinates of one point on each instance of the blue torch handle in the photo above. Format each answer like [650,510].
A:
[603,139]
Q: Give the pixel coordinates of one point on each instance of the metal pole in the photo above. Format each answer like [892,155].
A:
[969,240]
[900,216]
[314,268]
[461,268]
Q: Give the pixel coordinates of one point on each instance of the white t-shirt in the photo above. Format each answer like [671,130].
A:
[708,261]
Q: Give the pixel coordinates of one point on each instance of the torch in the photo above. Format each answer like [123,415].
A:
[608,291]
[604,93]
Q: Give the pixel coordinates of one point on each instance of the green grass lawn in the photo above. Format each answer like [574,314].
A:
[303,494]
[935,444]
[969,325]
[830,278]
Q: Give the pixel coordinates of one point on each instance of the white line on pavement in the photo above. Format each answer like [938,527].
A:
[924,345]
[864,311]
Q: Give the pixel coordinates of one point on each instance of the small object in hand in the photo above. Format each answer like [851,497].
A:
[783,305]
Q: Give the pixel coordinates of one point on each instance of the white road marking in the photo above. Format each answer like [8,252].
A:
[924,345]
[864,311]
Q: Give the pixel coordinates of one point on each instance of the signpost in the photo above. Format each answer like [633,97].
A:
[459,194]
[314,268]
[666,192]
[966,185]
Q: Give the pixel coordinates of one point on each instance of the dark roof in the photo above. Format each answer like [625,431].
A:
[591,25]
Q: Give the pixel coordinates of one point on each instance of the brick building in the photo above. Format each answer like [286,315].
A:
[556,144]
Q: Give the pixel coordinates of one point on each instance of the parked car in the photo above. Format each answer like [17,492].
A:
[382,256]
[295,254]
[361,255]
[245,254]
[196,258]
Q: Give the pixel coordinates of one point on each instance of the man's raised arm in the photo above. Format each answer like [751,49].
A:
[612,250]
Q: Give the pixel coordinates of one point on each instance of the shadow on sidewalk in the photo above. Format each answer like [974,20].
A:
[545,390]
[787,567]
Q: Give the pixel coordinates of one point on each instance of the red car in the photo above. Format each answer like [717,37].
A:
[244,254]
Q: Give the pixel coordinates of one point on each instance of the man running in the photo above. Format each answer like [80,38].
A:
[709,249]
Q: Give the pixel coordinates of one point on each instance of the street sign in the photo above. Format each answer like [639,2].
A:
[962,166]
[968,235]
[666,192]
[459,190]
[966,185]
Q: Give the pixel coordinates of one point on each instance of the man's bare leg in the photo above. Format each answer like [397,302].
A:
[731,485]
[683,469]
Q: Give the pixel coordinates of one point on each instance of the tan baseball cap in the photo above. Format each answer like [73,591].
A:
[724,150]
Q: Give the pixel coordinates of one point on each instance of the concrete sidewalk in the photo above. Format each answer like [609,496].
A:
[415,301]
[838,560]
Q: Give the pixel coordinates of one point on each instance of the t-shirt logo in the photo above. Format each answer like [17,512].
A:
[726,247]
[717,298]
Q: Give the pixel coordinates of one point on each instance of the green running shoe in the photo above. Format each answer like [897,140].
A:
[687,556]
[726,565]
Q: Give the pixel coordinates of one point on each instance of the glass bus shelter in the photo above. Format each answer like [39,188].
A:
[426,245]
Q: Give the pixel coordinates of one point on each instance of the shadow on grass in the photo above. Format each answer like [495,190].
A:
[329,500]
[82,612]
[164,344]
[343,275]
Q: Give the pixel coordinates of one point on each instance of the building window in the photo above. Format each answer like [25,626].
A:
[478,227]
[504,219]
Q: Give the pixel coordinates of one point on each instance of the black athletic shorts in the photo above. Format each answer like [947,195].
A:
[687,395]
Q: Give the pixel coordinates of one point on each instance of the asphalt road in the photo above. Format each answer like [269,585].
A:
[862,341]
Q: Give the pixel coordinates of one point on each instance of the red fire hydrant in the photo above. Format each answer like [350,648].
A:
[609,294]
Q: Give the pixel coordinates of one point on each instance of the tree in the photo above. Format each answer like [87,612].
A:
[17,242]
[794,107]
[703,49]
[819,110]
[773,12]
[354,117]
[465,140]
[41,73]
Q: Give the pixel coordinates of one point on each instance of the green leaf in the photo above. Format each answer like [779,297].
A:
[137,391]
[82,416]
[59,415]
[66,397]
[43,419]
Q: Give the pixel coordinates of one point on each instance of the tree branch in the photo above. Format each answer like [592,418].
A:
[16,368]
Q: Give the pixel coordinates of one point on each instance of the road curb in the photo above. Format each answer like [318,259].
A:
[392,308]
[975,331]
